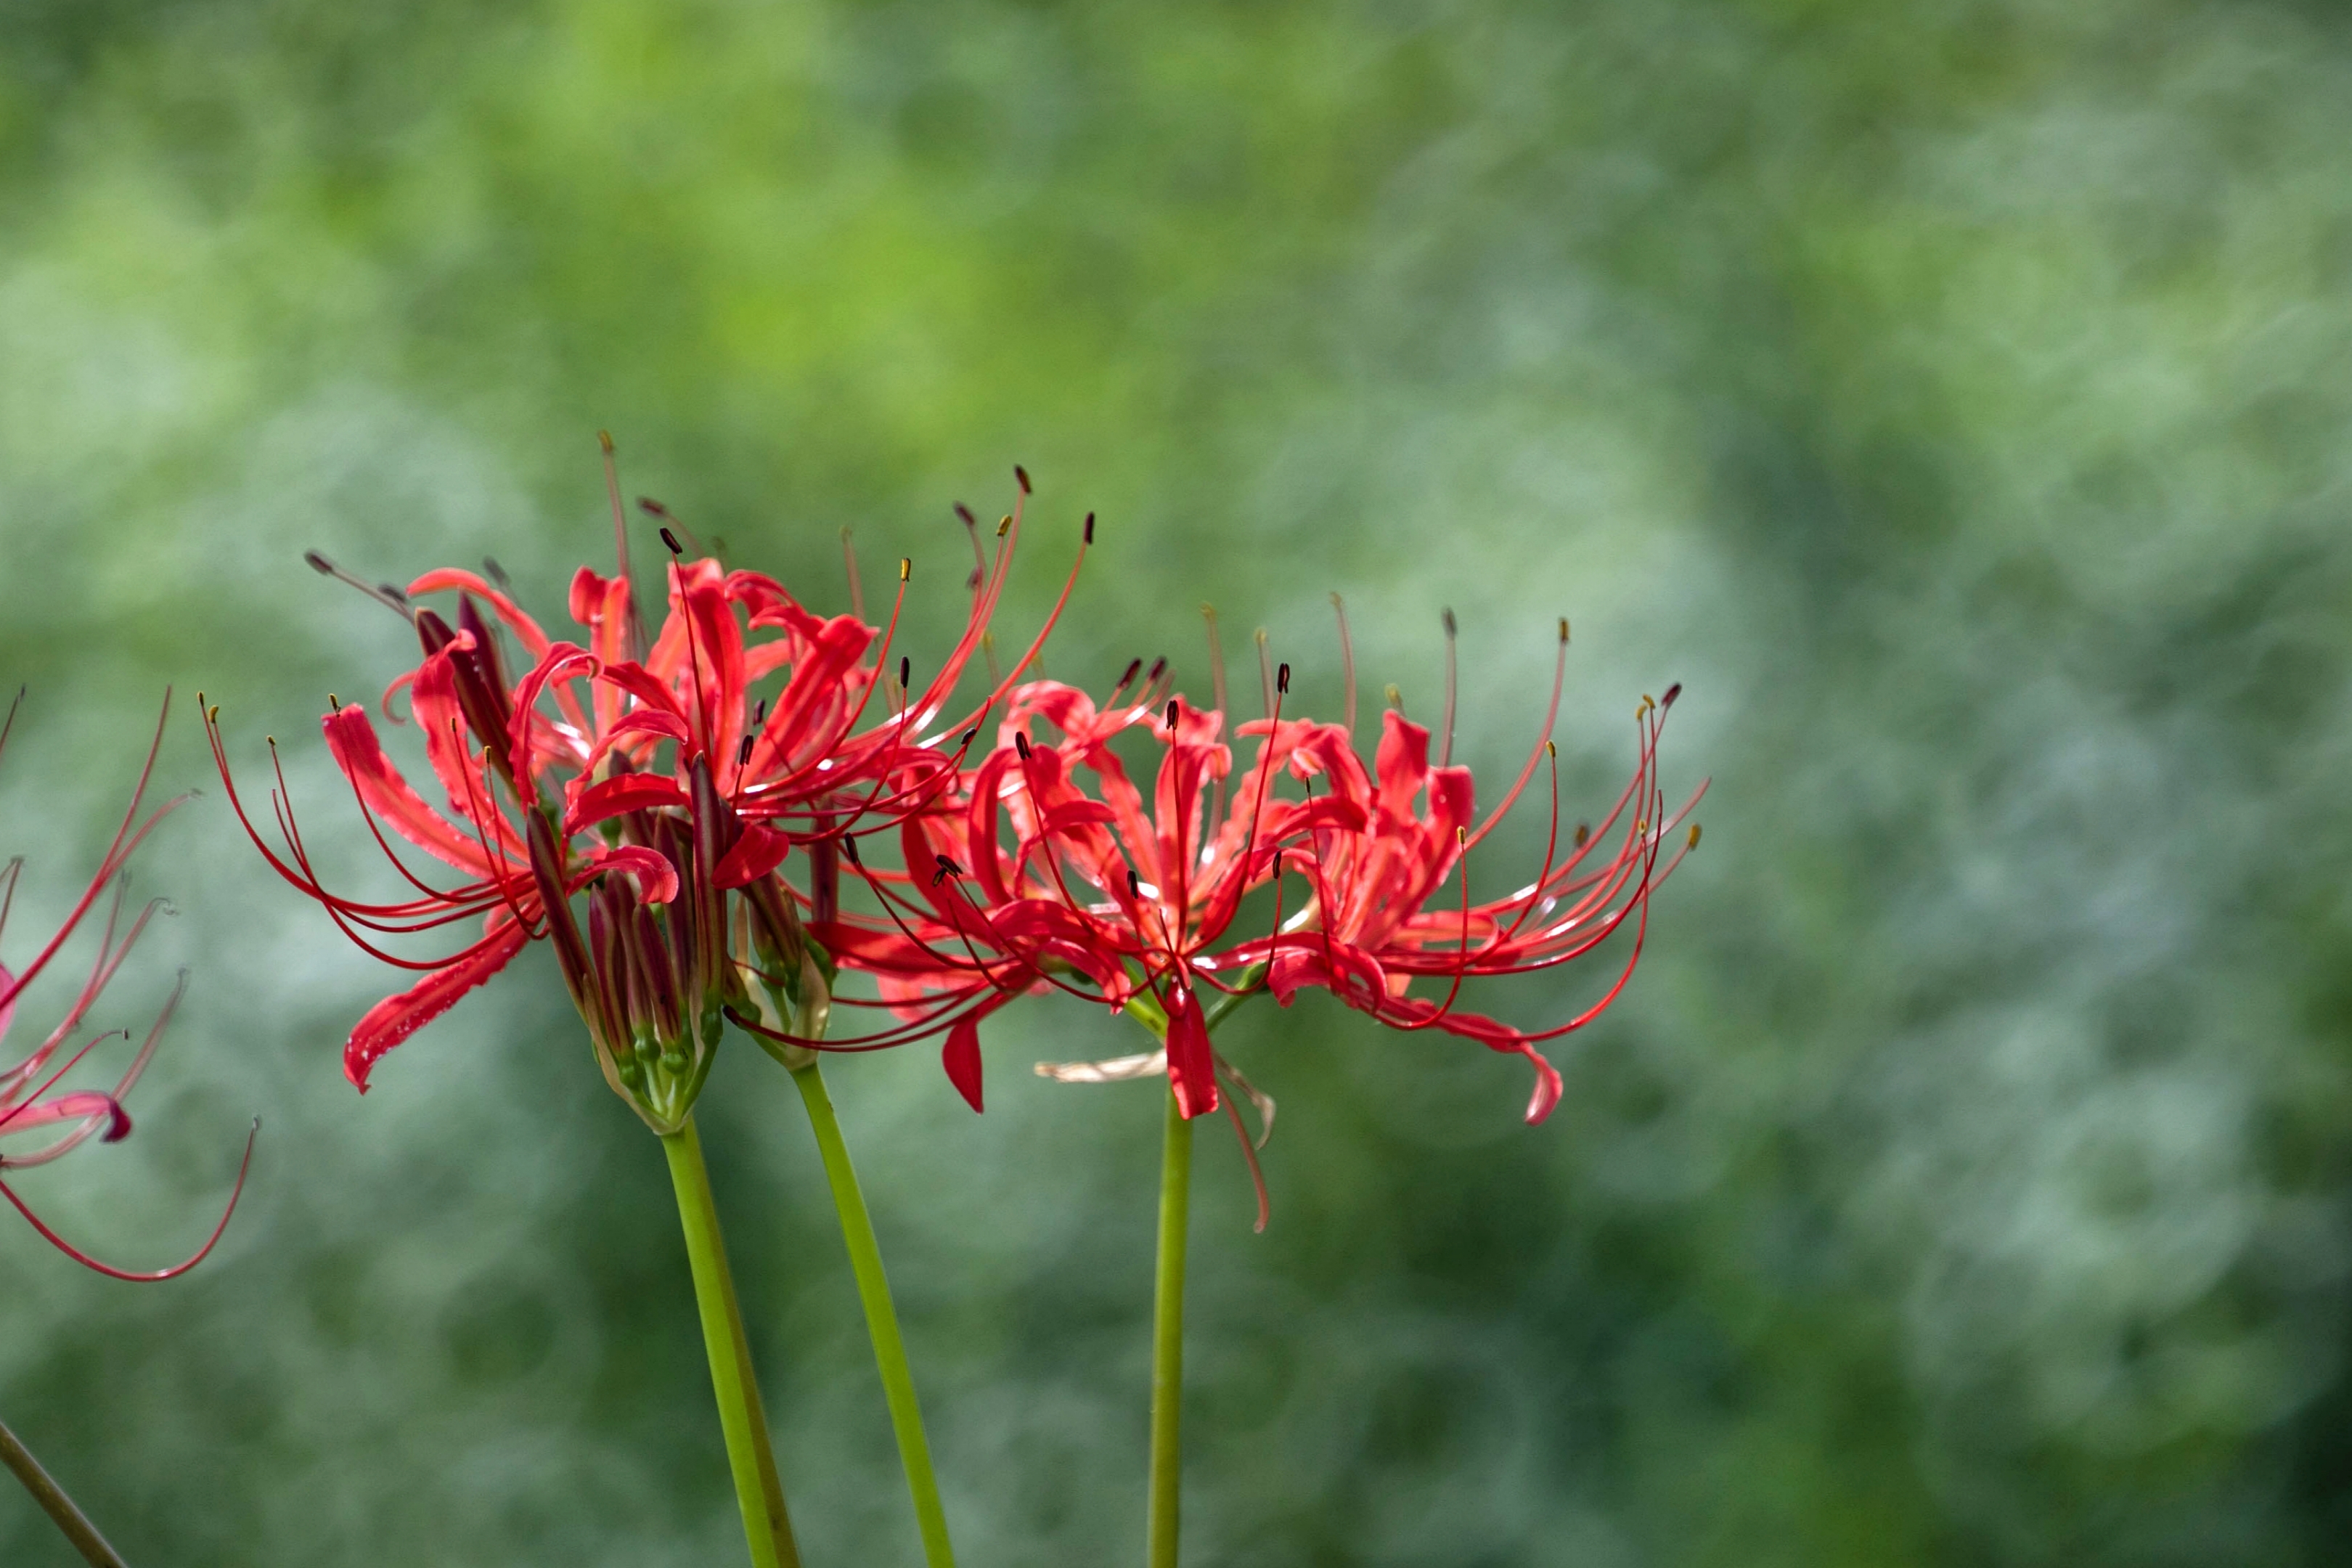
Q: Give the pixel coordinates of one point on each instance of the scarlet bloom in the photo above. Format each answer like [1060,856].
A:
[31,1098]
[1024,880]
[648,777]
[1370,930]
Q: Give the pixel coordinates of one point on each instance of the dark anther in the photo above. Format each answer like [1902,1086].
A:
[744,751]
[1134,883]
[670,540]
[760,714]
[497,574]
[1020,744]
[968,737]
[1672,693]
[1563,628]
[972,581]
[1023,475]
[948,871]
[1451,629]
[1583,832]
[1282,680]
[1090,528]
[1171,712]
[1133,666]
[964,513]
[1158,668]
[906,668]
[848,848]
[384,594]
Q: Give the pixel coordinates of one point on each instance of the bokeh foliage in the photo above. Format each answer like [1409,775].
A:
[1951,395]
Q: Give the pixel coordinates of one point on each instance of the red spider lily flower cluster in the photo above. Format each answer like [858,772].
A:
[31,1101]
[1025,879]
[644,779]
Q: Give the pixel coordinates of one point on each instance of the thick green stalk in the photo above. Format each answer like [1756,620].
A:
[1167,1339]
[881,1317]
[766,1526]
[54,1502]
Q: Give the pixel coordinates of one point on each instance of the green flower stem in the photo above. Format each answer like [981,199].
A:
[1164,1505]
[766,1525]
[881,1317]
[1167,1339]
[54,1502]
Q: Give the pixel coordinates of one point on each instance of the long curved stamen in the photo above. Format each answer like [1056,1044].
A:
[1445,750]
[1347,667]
[481,809]
[127,839]
[159,1274]
[122,1087]
[1249,1153]
[1551,716]
[31,1100]
[1463,949]
[849,566]
[767,753]
[1217,691]
[384,594]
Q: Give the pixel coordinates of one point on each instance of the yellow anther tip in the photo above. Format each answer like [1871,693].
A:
[1693,836]
[906,567]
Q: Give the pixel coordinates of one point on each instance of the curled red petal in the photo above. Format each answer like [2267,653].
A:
[394,1018]
[81,1105]
[758,852]
[960,1057]
[615,796]
[561,661]
[1548,1085]
[656,878]
[534,640]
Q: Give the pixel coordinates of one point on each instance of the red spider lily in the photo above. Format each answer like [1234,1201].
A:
[1024,880]
[558,778]
[1095,896]
[31,1099]
[1374,922]
[648,972]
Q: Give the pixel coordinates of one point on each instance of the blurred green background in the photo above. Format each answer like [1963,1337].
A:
[1951,395]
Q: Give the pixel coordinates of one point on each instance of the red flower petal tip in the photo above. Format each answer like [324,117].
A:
[960,1057]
